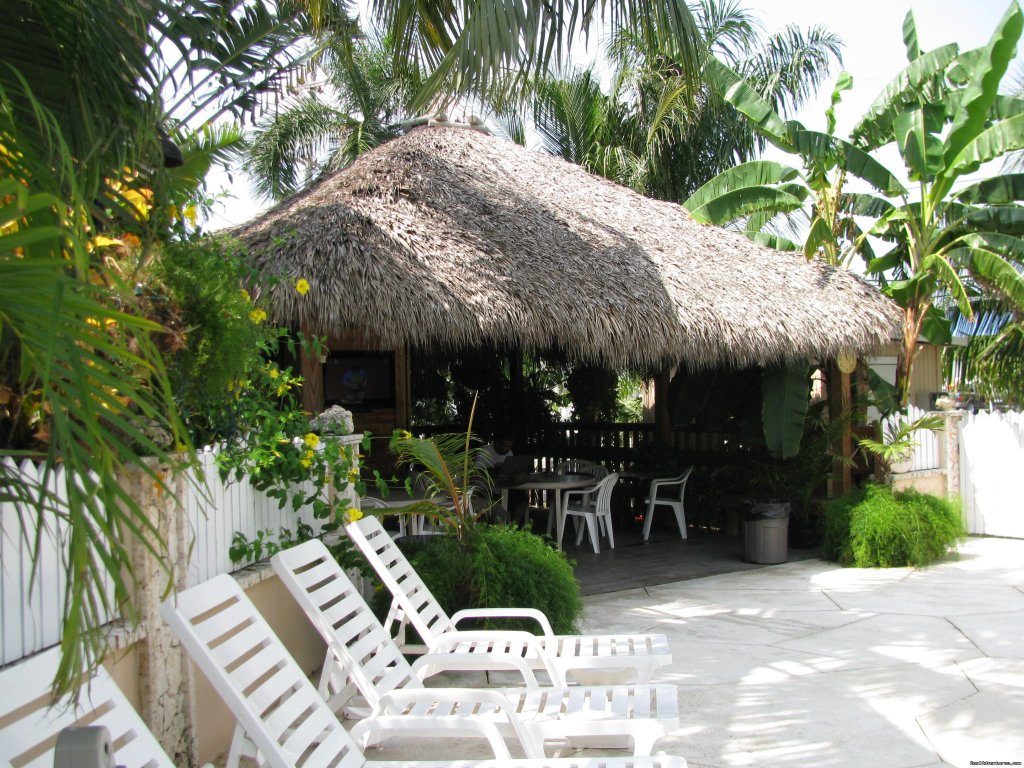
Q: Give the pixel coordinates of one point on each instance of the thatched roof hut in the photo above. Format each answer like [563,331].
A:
[450,237]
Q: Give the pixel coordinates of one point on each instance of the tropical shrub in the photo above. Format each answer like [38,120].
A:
[498,566]
[878,527]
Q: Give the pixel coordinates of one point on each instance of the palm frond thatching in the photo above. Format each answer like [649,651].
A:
[450,237]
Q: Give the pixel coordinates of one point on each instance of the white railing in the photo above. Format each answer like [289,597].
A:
[31,608]
[927,451]
[992,473]
[31,605]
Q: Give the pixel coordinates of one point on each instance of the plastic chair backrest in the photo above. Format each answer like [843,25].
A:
[31,725]
[364,650]
[414,598]
[266,690]
[603,506]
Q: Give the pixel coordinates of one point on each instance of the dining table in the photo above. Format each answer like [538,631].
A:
[554,482]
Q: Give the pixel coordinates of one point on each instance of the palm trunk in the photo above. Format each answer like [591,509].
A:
[912,319]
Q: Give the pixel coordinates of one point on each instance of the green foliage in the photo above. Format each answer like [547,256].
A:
[500,567]
[786,392]
[876,527]
[214,335]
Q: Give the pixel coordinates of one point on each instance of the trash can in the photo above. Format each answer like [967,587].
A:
[766,534]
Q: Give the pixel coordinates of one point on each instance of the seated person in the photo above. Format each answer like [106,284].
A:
[493,455]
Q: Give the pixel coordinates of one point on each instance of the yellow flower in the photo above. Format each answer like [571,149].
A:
[353,475]
[282,388]
[305,461]
[311,440]
[273,373]
[257,315]
[302,286]
[352,515]
[245,295]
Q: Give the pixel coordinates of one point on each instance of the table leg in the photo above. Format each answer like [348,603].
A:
[558,517]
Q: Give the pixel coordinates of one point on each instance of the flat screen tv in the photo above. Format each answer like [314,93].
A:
[360,380]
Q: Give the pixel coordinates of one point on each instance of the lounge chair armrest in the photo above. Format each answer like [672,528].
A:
[505,613]
[397,706]
[532,647]
[432,663]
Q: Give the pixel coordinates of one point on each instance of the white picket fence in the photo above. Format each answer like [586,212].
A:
[992,473]
[31,609]
[927,452]
[31,605]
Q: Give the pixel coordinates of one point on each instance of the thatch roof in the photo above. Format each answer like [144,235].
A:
[449,237]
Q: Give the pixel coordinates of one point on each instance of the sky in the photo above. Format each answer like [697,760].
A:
[873,54]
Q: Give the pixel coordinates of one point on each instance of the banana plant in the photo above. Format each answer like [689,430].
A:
[945,116]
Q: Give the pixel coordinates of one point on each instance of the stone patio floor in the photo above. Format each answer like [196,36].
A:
[809,664]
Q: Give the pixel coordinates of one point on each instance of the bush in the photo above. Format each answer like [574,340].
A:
[875,527]
[499,566]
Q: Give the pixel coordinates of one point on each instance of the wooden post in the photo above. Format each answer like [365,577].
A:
[839,405]
[166,683]
[312,371]
[662,415]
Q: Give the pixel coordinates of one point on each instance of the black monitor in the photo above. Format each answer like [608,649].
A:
[360,379]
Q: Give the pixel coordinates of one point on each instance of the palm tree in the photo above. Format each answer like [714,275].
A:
[90,96]
[370,96]
[945,116]
[85,91]
[658,133]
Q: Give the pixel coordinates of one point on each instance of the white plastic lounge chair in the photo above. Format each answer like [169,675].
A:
[595,659]
[673,501]
[29,725]
[360,650]
[594,505]
[280,713]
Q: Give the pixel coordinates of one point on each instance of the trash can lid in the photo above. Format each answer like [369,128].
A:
[769,511]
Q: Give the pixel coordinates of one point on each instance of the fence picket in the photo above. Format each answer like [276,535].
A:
[991,480]
[32,618]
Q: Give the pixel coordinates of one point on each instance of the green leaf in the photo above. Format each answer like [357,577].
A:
[936,328]
[990,265]
[920,148]
[874,128]
[844,83]
[983,87]
[736,91]
[820,235]
[816,146]
[741,202]
[1005,136]
[777,242]
[999,190]
[1008,219]
[861,204]
[910,36]
[785,394]
[755,173]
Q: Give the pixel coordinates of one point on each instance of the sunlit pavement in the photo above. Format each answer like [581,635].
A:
[813,665]
[808,664]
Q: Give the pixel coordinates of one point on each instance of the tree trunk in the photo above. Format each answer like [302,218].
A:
[912,319]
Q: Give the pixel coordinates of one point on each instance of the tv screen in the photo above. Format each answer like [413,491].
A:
[360,380]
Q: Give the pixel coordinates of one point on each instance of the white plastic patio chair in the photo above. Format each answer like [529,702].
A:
[30,722]
[283,719]
[361,651]
[575,467]
[596,659]
[674,501]
[594,506]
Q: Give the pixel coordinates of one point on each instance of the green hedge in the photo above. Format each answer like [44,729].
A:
[876,527]
[498,566]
